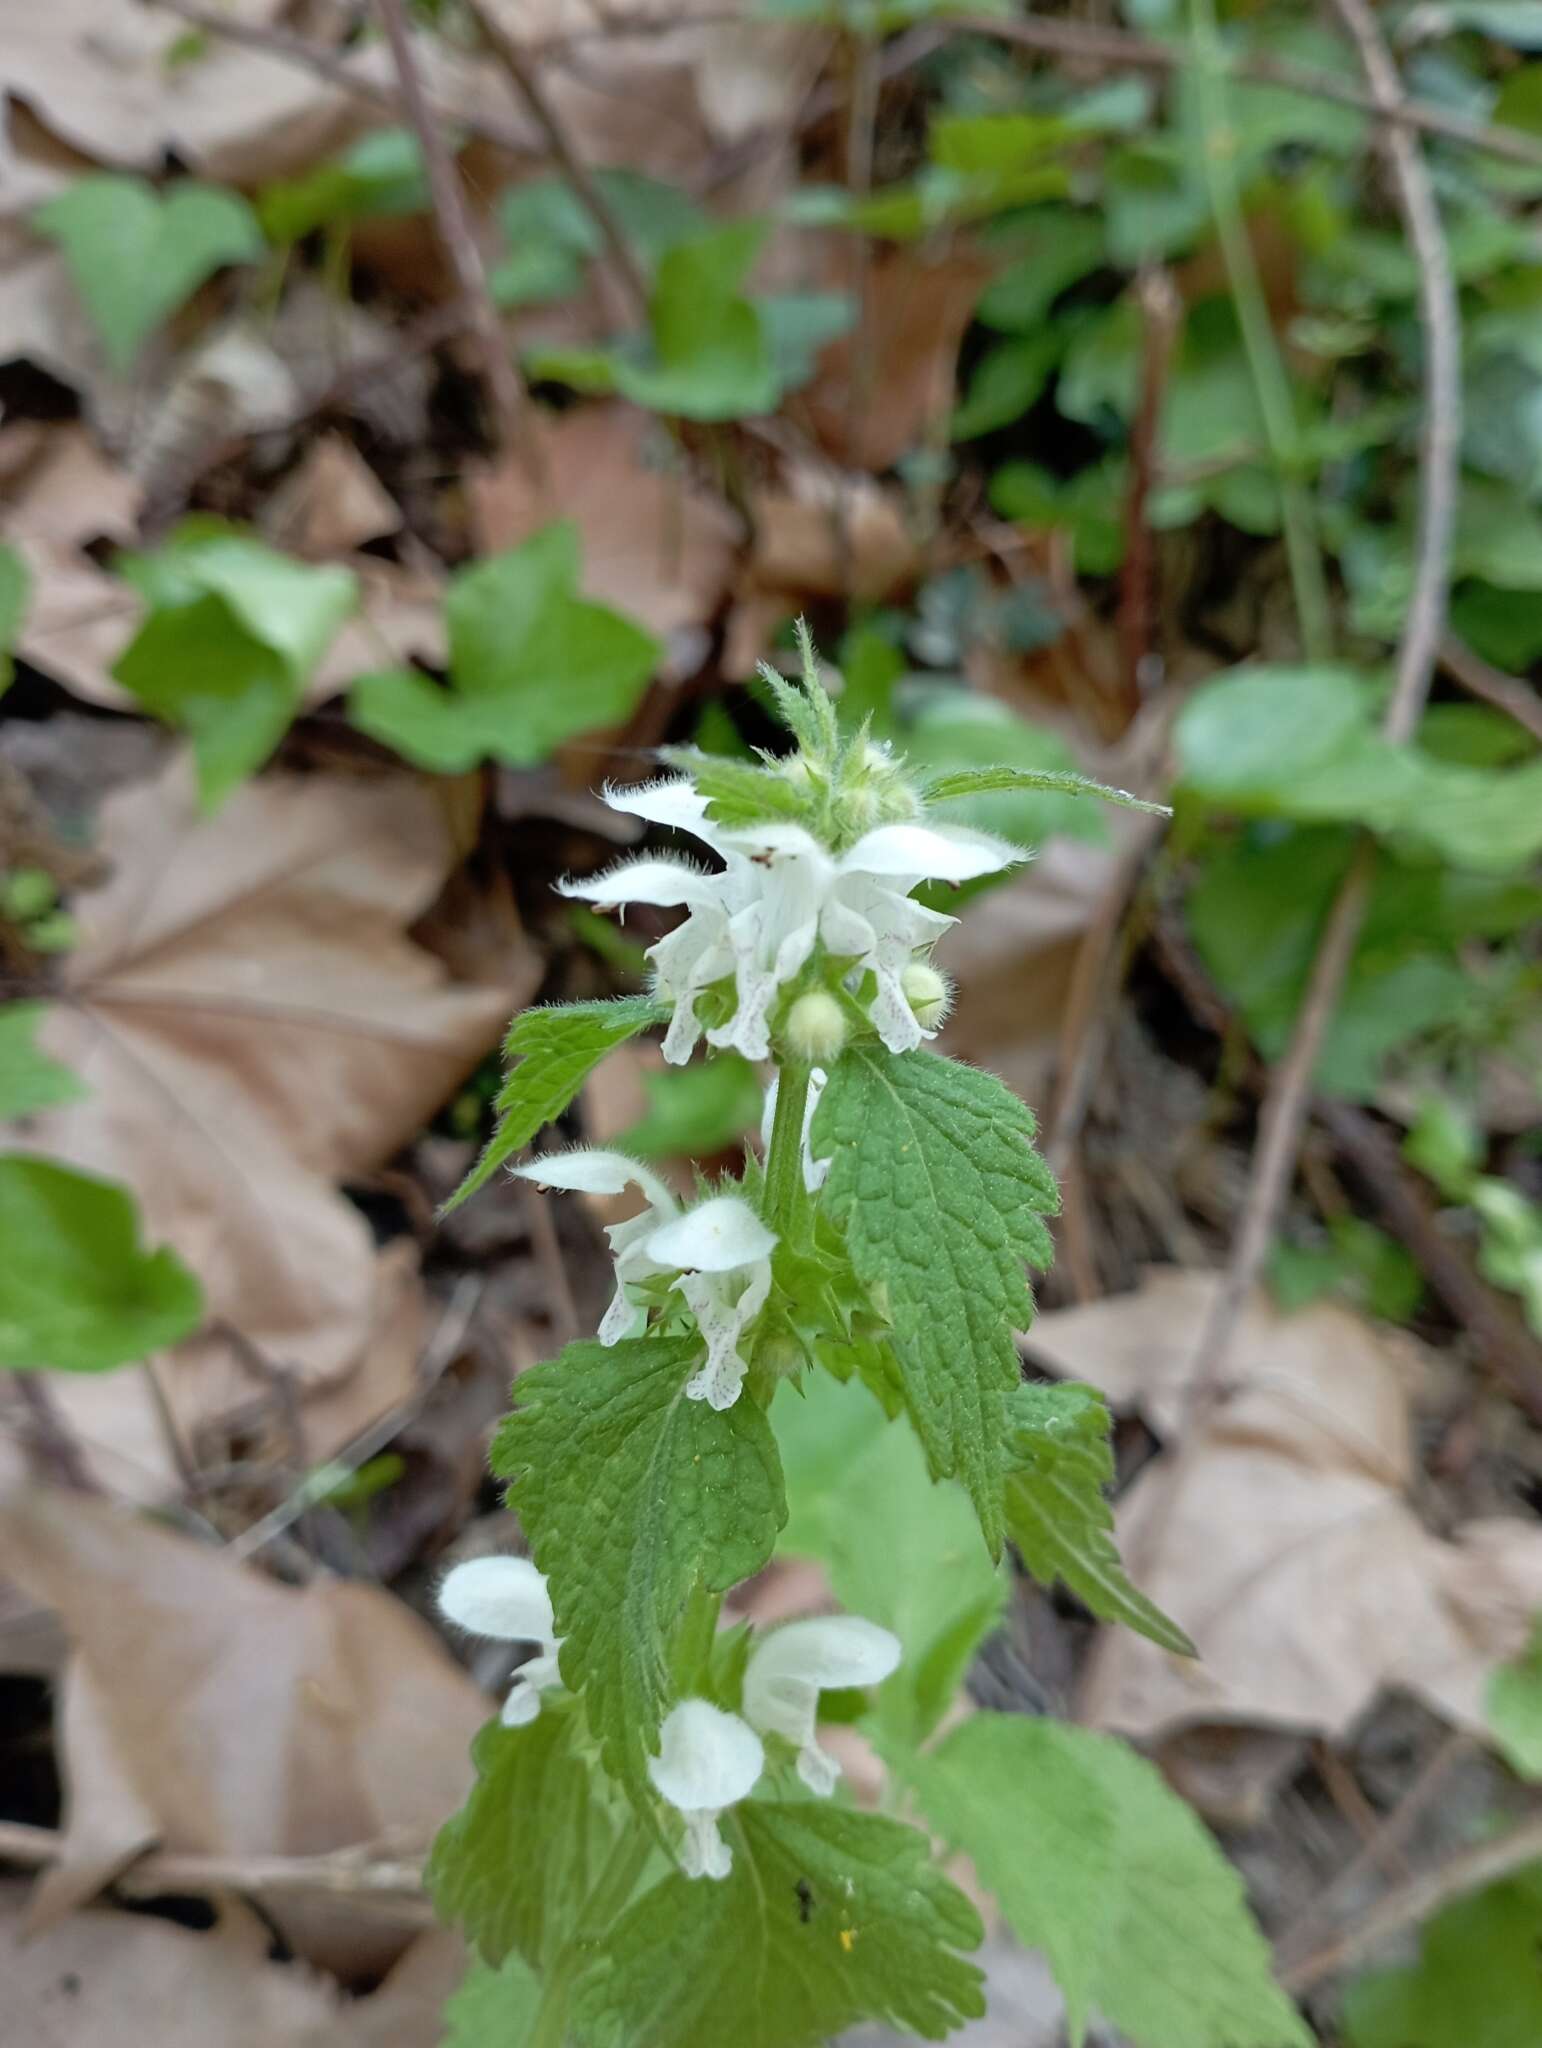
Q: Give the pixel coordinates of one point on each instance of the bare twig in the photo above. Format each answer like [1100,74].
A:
[521,74]
[861,132]
[360,1874]
[1113,50]
[1161,312]
[1416,1901]
[1518,700]
[504,384]
[51,1435]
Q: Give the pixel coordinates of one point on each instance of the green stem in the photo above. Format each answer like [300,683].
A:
[1270,384]
[785,1193]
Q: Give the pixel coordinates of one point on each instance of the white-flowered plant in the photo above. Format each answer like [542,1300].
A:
[879,1234]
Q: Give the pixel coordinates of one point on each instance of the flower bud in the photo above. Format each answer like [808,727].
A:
[816,1027]
[927,993]
[795,769]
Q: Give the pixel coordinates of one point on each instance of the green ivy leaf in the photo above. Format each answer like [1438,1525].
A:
[531,664]
[77,1294]
[985,781]
[492,2006]
[135,255]
[942,1197]
[516,1864]
[1057,1515]
[557,1048]
[29,1078]
[1475,1985]
[380,178]
[631,1496]
[15,589]
[711,354]
[1515,1708]
[896,1547]
[233,634]
[828,1917]
[1093,1859]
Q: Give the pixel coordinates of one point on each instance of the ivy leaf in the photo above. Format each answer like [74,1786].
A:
[77,1294]
[135,255]
[15,588]
[827,1917]
[631,1496]
[987,781]
[942,1198]
[1056,1513]
[531,664]
[1475,1984]
[711,354]
[516,1864]
[557,1048]
[29,1078]
[234,631]
[491,2005]
[381,177]
[1093,1859]
[896,1547]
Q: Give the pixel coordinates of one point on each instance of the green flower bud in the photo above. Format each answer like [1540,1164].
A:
[816,1027]
[927,993]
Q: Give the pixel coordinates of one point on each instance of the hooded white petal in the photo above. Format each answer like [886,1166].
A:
[714,1237]
[658,881]
[592,1172]
[724,1305]
[944,853]
[502,1597]
[670,800]
[539,1675]
[792,1665]
[708,1760]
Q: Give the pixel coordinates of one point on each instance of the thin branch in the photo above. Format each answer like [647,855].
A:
[1418,1900]
[1113,50]
[1161,311]
[51,1436]
[504,383]
[1518,700]
[521,74]
[358,1873]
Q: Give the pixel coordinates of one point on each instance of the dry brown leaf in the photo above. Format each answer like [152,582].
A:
[654,545]
[1286,1544]
[67,492]
[254,1025]
[77,622]
[207,1709]
[331,503]
[918,309]
[821,534]
[120,1980]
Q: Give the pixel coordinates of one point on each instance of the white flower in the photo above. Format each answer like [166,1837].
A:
[815,1171]
[708,1760]
[506,1598]
[780,891]
[719,1252]
[792,1665]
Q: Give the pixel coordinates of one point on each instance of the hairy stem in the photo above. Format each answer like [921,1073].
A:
[784,1157]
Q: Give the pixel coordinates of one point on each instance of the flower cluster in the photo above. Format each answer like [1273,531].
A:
[717,1255]
[780,893]
[709,1759]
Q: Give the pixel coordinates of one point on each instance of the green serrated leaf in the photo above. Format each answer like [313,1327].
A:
[827,1917]
[492,2008]
[557,1048]
[1057,1515]
[29,1078]
[77,1294]
[1095,1860]
[739,792]
[896,1547]
[15,588]
[1475,1984]
[985,781]
[631,1495]
[516,1864]
[531,664]
[135,255]
[942,1197]
[1515,1708]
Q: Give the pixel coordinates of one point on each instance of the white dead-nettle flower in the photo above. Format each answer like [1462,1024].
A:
[791,1666]
[506,1598]
[719,1253]
[815,1171]
[708,1761]
[779,892]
